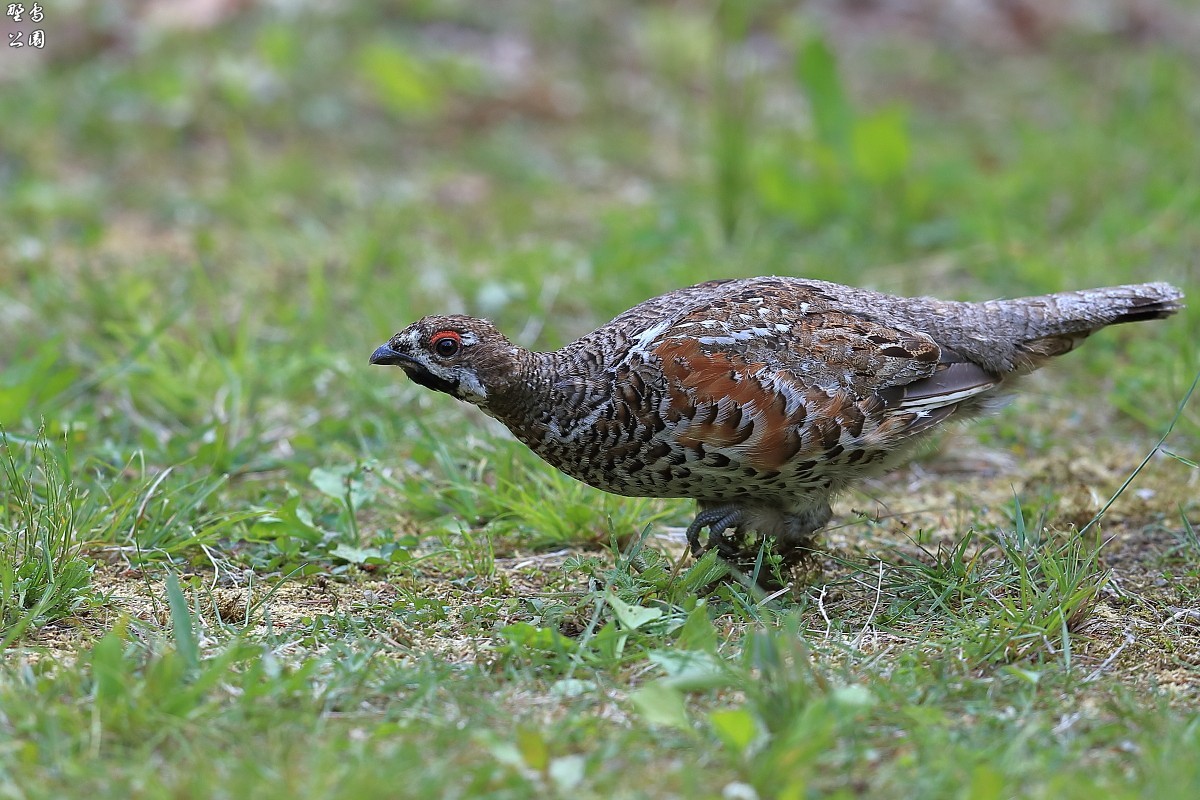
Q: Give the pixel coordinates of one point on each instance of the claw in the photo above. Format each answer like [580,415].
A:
[717,520]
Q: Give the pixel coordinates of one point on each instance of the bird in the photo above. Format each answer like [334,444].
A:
[761,398]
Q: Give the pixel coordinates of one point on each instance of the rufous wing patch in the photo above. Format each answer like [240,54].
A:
[751,403]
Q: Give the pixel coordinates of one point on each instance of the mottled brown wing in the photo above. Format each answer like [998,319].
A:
[768,395]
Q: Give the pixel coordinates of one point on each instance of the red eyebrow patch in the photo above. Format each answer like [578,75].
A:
[440,335]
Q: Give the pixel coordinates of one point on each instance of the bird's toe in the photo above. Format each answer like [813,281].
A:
[718,520]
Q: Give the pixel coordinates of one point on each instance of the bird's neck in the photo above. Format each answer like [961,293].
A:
[523,387]
[546,396]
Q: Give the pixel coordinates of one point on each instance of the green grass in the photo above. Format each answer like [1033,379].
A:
[42,574]
[237,561]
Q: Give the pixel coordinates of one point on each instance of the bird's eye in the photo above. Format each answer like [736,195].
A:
[446,343]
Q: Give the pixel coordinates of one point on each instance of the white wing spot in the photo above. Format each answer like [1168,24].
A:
[733,336]
[928,404]
[643,339]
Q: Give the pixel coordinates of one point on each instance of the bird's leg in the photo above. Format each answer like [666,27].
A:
[717,519]
[795,538]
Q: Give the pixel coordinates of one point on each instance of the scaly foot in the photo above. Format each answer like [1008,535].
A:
[717,520]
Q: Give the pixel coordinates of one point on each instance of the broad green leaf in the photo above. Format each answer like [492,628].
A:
[631,617]
[690,670]
[534,750]
[342,482]
[698,632]
[736,727]
[661,705]
[358,555]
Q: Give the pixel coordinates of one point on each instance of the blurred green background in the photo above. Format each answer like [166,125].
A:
[212,211]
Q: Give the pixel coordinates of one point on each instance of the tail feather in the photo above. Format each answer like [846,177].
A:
[1088,310]
[1058,322]
[1154,301]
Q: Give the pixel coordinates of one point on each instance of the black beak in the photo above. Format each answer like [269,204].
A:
[386,356]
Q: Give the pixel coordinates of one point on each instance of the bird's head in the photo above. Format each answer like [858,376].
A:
[464,357]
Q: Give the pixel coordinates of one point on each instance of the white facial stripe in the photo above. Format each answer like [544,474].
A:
[469,387]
